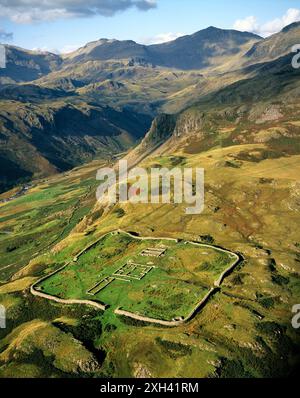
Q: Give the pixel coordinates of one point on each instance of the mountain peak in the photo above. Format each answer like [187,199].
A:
[212,28]
[188,52]
[104,40]
[288,28]
[215,33]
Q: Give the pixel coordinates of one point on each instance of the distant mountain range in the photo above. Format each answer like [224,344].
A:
[196,51]
[262,109]
[204,49]
[57,111]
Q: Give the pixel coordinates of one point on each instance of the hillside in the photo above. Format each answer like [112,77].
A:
[55,133]
[170,76]
[149,78]
[262,108]
[107,92]
[274,46]
[25,65]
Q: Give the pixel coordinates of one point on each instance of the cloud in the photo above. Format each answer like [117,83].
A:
[250,24]
[28,11]
[66,49]
[146,5]
[45,49]
[274,26]
[69,48]
[6,36]
[162,38]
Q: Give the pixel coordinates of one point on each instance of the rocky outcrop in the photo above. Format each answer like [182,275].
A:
[188,123]
[161,129]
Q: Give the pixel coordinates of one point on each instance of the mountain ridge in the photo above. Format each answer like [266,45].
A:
[177,53]
[135,89]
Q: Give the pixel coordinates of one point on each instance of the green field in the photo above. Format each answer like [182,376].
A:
[31,224]
[115,272]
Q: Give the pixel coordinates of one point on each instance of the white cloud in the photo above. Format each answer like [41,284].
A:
[69,48]
[28,11]
[66,49]
[269,28]
[161,38]
[45,49]
[250,24]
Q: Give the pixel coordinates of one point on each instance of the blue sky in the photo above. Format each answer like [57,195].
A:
[64,24]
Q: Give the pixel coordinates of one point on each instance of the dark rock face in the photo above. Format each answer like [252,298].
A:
[39,140]
[162,128]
